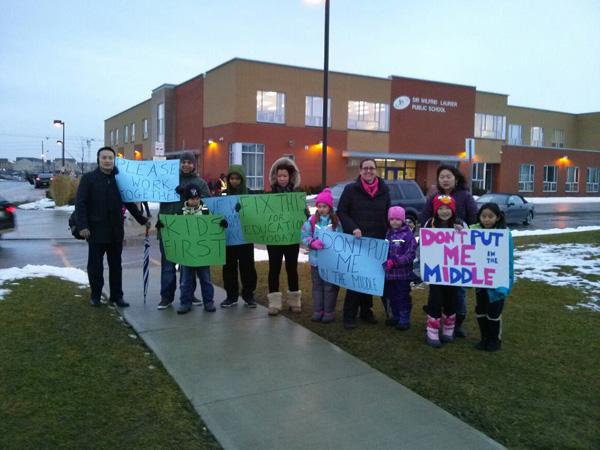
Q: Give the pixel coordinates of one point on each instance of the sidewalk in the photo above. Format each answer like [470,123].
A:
[267,383]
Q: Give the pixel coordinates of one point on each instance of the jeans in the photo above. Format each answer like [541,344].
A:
[276,254]
[461,301]
[168,276]
[397,296]
[95,269]
[188,284]
[324,293]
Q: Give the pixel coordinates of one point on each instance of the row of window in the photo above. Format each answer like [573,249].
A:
[550,180]
[493,127]
[128,133]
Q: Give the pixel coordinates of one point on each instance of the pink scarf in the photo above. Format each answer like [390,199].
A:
[372,188]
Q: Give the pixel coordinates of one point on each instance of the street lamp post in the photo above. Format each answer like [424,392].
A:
[60,123]
[325,97]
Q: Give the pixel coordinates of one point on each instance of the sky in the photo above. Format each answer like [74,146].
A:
[84,61]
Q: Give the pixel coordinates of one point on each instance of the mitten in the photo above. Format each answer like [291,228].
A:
[223,223]
[179,189]
[316,244]
[389,264]
[238,207]
[159,224]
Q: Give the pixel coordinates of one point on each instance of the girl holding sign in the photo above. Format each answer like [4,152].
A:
[324,293]
[490,302]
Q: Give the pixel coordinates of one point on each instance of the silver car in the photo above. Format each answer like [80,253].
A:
[515,208]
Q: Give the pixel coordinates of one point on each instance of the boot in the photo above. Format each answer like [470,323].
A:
[482,321]
[433,332]
[294,299]
[274,302]
[459,331]
[494,334]
[448,323]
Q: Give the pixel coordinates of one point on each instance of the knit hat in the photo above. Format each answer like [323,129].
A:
[397,212]
[191,190]
[443,200]
[325,197]
[188,156]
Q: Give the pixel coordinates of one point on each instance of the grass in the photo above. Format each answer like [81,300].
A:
[541,391]
[72,377]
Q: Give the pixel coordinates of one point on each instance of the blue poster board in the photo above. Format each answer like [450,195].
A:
[225,206]
[148,181]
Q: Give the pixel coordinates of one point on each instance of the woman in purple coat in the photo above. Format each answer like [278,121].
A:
[450,181]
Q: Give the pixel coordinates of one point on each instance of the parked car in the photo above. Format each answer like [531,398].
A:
[515,208]
[7,216]
[43,180]
[405,193]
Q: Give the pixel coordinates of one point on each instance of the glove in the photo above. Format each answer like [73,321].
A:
[179,190]
[316,244]
[159,224]
[223,223]
[238,207]
[389,264]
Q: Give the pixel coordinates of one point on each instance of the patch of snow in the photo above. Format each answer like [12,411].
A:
[262,255]
[46,203]
[31,271]
[519,233]
[547,200]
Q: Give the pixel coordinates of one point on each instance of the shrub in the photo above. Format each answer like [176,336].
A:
[64,189]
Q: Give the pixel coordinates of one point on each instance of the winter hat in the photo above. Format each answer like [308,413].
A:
[188,156]
[397,212]
[101,149]
[191,190]
[325,197]
[443,200]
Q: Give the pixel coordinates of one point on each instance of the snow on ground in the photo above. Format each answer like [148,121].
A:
[546,200]
[519,233]
[260,254]
[31,271]
[46,203]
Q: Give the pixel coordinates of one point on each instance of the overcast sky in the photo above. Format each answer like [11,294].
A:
[83,61]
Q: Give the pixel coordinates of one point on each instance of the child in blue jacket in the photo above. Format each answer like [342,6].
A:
[490,302]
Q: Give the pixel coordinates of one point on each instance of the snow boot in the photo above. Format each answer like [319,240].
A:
[482,321]
[294,299]
[274,303]
[494,334]
[459,331]
[448,323]
[433,332]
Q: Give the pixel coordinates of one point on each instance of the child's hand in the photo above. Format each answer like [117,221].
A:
[316,244]
[389,264]
[458,227]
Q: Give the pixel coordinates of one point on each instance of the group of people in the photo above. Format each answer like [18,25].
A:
[364,210]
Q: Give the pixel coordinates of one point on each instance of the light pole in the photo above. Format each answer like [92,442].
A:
[60,123]
[325,97]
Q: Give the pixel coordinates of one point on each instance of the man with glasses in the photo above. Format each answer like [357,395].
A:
[362,209]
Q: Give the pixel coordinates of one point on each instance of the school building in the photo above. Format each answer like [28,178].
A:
[251,113]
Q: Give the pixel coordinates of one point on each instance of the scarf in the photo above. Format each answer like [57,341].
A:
[372,188]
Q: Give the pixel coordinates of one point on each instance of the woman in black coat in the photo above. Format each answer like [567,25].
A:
[362,210]
[99,216]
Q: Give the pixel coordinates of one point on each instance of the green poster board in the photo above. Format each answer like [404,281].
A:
[193,240]
[274,219]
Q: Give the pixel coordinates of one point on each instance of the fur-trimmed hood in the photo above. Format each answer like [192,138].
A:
[282,163]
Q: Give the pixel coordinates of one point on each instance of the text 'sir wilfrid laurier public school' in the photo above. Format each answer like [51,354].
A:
[251,113]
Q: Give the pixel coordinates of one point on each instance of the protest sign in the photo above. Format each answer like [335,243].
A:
[469,258]
[355,264]
[225,205]
[274,219]
[193,240]
[152,181]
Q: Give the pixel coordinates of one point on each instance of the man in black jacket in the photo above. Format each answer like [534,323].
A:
[99,215]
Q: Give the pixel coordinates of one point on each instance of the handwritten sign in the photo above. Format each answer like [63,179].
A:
[355,264]
[225,206]
[193,240]
[274,219]
[154,181]
[470,258]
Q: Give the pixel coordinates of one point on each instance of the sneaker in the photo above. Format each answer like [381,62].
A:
[229,302]
[250,303]
[317,316]
[328,318]
[402,326]
[120,303]
[164,303]
[184,309]
[95,302]
[350,325]
[196,302]
[209,307]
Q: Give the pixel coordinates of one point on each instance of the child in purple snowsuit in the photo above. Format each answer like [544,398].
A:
[399,269]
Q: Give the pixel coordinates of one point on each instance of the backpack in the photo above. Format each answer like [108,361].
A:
[73,226]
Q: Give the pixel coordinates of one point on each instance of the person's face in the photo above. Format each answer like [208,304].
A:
[488,219]
[444,213]
[193,202]
[395,223]
[235,180]
[187,166]
[410,223]
[447,180]
[106,158]
[323,209]
[283,177]
[368,171]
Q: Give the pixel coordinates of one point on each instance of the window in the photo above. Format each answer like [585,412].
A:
[132,132]
[526,174]
[368,116]
[126,134]
[252,158]
[489,126]
[593,179]
[515,134]
[145,128]
[515,200]
[313,116]
[537,136]
[112,137]
[550,178]
[270,107]
[558,138]
[160,124]
[116,136]
[478,176]
[572,184]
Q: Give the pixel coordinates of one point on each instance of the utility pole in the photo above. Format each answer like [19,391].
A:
[89,145]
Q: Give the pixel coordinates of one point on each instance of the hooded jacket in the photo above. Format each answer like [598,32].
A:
[402,252]
[466,207]
[242,189]
[294,183]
